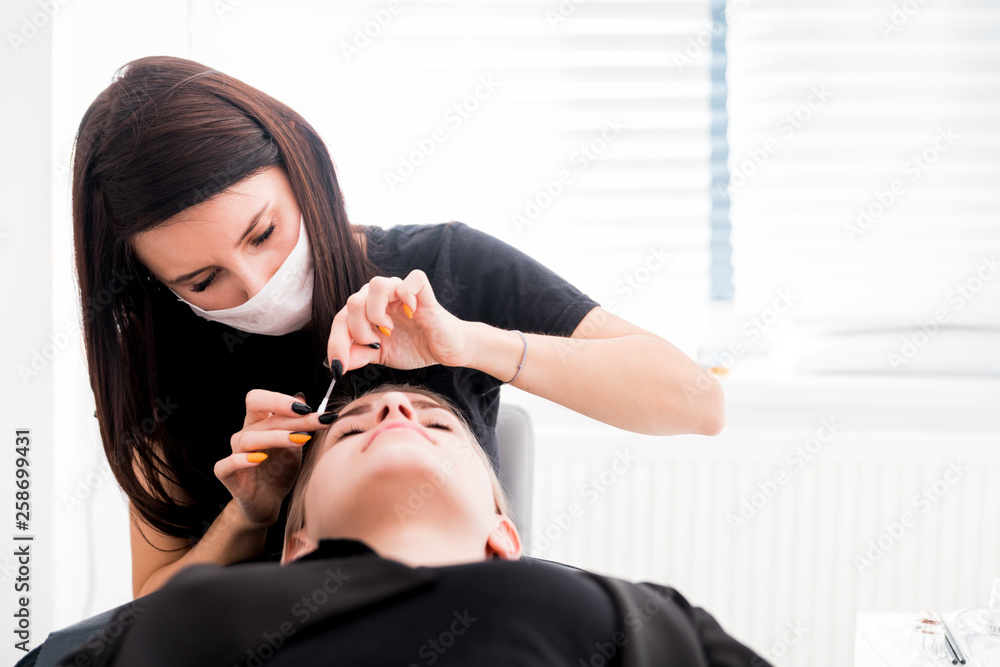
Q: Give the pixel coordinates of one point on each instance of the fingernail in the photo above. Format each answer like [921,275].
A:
[326,363]
[301,408]
[375,346]
[385,331]
[338,369]
[256,457]
[328,417]
[409,313]
[299,437]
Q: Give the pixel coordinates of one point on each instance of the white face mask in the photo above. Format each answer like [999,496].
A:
[283,304]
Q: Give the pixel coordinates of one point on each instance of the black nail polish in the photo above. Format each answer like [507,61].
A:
[301,408]
[301,433]
[338,369]
[327,418]
[375,346]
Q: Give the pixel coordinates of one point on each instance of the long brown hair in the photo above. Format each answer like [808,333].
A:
[168,134]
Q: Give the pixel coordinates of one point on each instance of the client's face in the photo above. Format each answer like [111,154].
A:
[393,458]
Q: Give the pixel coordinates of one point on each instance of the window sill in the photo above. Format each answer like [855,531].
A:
[757,394]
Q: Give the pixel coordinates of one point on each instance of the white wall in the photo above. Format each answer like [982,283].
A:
[25,263]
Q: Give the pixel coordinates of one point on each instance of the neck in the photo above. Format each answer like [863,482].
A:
[418,544]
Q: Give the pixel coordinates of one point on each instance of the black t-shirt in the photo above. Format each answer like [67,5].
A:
[343,605]
[502,613]
[205,369]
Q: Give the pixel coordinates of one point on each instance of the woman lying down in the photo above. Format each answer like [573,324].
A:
[370,578]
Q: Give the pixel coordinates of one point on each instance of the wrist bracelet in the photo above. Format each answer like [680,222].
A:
[523,355]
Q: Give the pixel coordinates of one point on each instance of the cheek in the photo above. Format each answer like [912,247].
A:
[471,475]
[287,236]
[284,239]
[325,487]
[281,245]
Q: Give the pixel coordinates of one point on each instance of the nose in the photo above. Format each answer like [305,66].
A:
[253,277]
[394,405]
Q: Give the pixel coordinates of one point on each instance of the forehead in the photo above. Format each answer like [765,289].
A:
[207,221]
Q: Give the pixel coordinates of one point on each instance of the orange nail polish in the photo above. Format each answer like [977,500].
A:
[385,331]
[409,313]
[299,438]
[256,457]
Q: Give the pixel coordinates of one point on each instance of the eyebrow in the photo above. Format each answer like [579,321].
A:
[419,403]
[250,227]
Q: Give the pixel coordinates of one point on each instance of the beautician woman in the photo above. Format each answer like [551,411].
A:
[218,272]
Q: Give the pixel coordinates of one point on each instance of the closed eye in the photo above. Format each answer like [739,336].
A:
[351,431]
[354,430]
[439,425]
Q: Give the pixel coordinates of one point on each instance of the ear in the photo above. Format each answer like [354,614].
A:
[504,541]
[299,545]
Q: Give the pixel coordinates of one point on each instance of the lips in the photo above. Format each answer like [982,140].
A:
[395,423]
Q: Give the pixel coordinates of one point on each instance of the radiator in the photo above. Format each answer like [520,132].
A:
[783,535]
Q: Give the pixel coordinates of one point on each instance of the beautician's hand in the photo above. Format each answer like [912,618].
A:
[267,454]
[380,312]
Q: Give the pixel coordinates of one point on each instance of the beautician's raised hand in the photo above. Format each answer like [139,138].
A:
[403,316]
[267,453]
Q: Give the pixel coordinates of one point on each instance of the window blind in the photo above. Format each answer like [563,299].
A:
[863,164]
[576,131]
